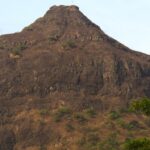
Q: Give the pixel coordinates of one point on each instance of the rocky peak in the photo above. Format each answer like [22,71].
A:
[70,8]
[70,14]
[66,51]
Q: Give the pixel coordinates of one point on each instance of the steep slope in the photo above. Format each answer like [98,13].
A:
[63,59]
[65,43]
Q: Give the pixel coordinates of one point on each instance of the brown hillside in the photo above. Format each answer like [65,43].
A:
[63,60]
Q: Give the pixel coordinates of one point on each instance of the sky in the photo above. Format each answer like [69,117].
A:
[128,21]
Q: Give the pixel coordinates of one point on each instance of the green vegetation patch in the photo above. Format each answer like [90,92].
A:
[114,115]
[89,141]
[80,118]
[18,49]
[137,144]
[90,112]
[44,112]
[69,44]
[69,127]
[141,106]
[132,125]
[63,112]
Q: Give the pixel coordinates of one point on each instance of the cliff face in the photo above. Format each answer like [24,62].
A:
[65,51]
[64,58]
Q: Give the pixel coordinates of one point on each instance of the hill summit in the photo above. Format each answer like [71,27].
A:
[63,60]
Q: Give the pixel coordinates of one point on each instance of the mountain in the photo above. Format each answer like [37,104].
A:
[60,65]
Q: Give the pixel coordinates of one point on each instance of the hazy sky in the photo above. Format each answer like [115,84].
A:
[128,21]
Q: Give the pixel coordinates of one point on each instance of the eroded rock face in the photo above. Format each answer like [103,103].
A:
[46,72]
[63,59]
[69,52]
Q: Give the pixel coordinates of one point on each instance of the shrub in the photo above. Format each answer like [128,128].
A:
[90,112]
[80,118]
[114,115]
[89,141]
[137,144]
[61,113]
[69,44]
[110,124]
[132,125]
[17,50]
[69,127]
[129,126]
[121,123]
[142,105]
[44,112]
[29,28]
[53,38]
[92,141]
[112,140]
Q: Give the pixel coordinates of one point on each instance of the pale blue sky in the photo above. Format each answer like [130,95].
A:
[128,21]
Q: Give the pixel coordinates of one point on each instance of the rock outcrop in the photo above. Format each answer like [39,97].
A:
[63,59]
[65,51]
